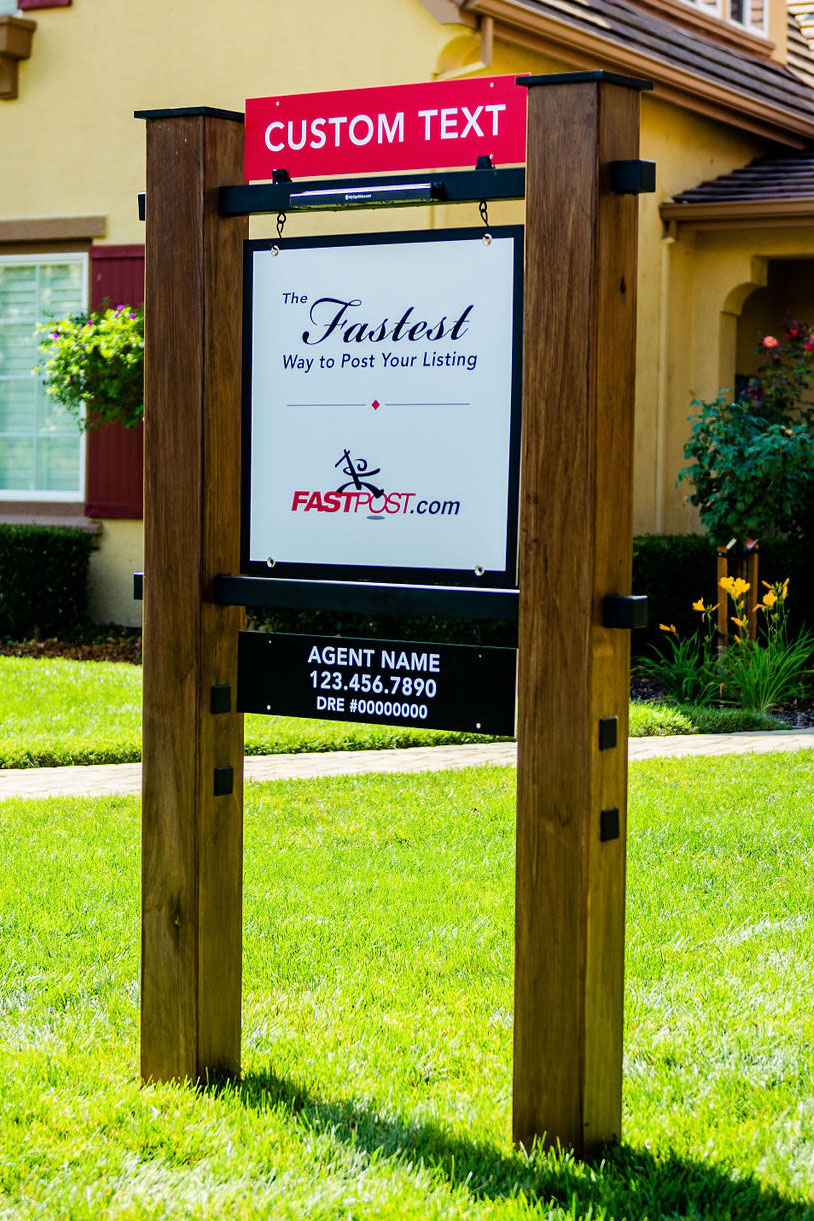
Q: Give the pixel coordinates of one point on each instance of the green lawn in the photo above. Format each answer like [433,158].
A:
[55,711]
[377,1010]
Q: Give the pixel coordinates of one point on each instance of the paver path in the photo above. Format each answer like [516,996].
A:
[125,778]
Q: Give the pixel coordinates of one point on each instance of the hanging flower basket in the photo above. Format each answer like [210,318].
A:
[93,364]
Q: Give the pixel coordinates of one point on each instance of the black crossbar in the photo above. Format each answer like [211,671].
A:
[450,601]
[460,186]
[447,600]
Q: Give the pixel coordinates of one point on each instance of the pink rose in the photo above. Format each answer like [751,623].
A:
[769,341]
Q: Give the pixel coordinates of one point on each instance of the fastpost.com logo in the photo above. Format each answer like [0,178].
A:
[359,493]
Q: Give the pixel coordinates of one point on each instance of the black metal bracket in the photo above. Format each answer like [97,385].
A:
[221,699]
[224,781]
[608,824]
[608,732]
[624,610]
[633,177]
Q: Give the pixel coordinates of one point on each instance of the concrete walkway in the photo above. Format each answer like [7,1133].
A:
[125,778]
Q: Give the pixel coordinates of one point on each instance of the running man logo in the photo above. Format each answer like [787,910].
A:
[355,468]
[359,493]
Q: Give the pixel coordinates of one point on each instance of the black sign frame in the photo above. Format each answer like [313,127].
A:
[506,578]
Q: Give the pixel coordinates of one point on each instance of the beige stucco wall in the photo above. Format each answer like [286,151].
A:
[77,150]
[116,557]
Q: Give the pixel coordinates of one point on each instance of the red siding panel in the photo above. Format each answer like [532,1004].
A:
[115,453]
[23,4]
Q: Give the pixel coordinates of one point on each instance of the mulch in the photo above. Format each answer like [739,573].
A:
[119,647]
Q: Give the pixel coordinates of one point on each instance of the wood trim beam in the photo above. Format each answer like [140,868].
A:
[52,228]
[448,12]
[16,35]
[521,26]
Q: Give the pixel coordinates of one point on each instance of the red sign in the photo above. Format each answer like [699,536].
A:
[440,124]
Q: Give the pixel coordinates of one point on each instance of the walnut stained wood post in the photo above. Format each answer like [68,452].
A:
[575,548]
[191,839]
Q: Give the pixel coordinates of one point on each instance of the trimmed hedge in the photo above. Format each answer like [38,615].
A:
[43,581]
[676,569]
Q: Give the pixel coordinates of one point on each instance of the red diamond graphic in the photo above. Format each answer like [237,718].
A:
[375,404]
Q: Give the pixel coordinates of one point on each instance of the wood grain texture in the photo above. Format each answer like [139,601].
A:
[576,547]
[52,228]
[191,840]
[722,571]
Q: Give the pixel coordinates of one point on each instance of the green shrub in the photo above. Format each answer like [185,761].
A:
[751,462]
[43,581]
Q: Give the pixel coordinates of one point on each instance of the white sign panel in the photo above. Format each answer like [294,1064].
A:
[380,416]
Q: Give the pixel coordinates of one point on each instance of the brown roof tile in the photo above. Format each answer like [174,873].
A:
[639,29]
[785,177]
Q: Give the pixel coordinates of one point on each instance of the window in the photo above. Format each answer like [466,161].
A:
[41,447]
[749,15]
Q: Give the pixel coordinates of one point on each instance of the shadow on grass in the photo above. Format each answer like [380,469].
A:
[628,1183]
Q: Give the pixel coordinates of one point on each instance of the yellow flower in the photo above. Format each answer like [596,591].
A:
[671,627]
[727,583]
[739,622]
[785,588]
[766,584]
[769,599]
[740,587]
[737,639]
[699,605]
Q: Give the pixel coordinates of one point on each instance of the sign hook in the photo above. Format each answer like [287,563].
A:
[281,219]
[484,215]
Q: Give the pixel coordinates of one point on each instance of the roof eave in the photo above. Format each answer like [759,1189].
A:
[515,23]
[738,214]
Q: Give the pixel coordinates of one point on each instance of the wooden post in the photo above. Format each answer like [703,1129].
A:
[752,596]
[191,838]
[722,598]
[746,567]
[576,547]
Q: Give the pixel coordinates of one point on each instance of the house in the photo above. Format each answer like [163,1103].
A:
[726,243]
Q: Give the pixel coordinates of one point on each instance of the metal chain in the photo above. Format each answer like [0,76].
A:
[281,218]
[484,212]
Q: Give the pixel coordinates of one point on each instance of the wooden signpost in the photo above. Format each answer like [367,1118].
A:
[575,541]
